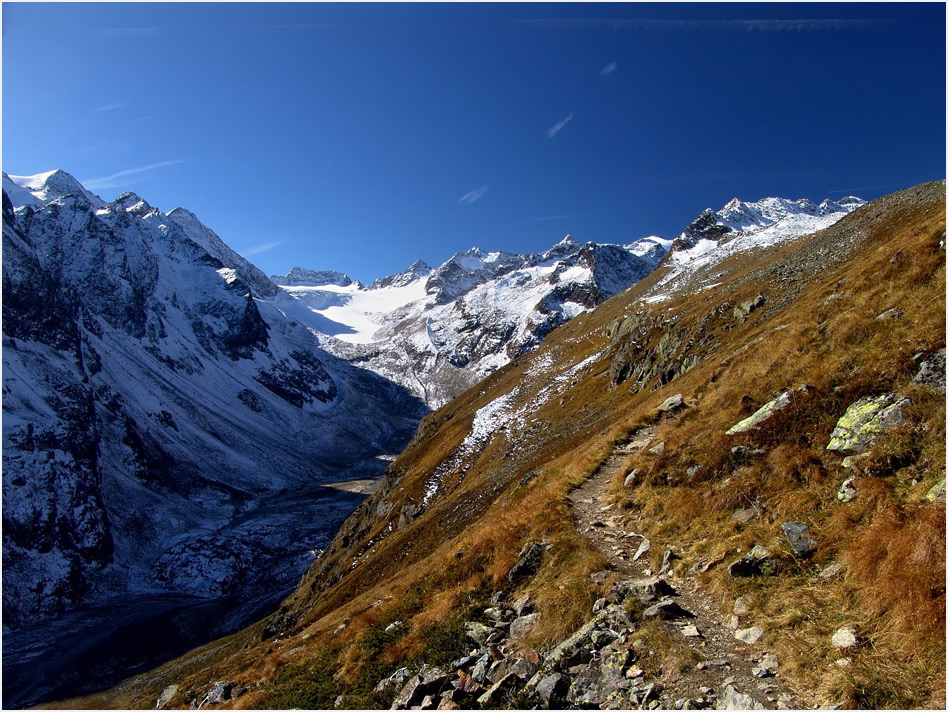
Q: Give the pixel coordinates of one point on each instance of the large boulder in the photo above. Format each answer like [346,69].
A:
[864,420]
[767,411]
[603,675]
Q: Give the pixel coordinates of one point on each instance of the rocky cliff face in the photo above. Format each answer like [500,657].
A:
[153,403]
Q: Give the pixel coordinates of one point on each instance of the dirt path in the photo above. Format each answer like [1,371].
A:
[725,660]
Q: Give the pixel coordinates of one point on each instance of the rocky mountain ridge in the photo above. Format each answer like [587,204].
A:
[444,329]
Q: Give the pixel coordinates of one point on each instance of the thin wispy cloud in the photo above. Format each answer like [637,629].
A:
[112,107]
[745,25]
[112,181]
[558,126]
[608,69]
[263,247]
[473,196]
[129,33]
[561,217]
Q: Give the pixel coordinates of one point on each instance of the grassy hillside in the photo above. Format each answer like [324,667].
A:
[492,471]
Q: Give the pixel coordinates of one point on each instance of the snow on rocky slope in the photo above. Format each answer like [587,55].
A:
[716,235]
[439,331]
[154,401]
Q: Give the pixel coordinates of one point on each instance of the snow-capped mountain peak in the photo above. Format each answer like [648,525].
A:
[42,188]
[715,235]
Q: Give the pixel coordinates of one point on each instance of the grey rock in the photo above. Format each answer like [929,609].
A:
[937,492]
[631,477]
[931,372]
[496,694]
[528,563]
[767,411]
[219,692]
[746,452]
[832,570]
[427,681]
[657,449]
[550,687]
[733,699]
[667,609]
[757,562]
[462,662]
[671,403]
[523,669]
[667,559]
[864,420]
[851,461]
[893,313]
[645,589]
[642,550]
[798,536]
[495,613]
[478,632]
[523,605]
[394,681]
[749,635]
[743,605]
[602,638]
[601,677]
[746,515]
[479,673]
[744,309]
[522,625]
[691,631]
[576,647]
[167,695]
[767,667]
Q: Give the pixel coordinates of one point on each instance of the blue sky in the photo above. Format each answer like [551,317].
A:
[360,137]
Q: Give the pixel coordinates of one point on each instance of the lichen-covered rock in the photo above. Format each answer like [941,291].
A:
[864,420]
[936,493]
[602,676]
[767,411]
[931,372]
[757,562]
[744,309]
[166,696]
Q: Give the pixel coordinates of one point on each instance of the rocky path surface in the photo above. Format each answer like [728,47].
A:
[731,674]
